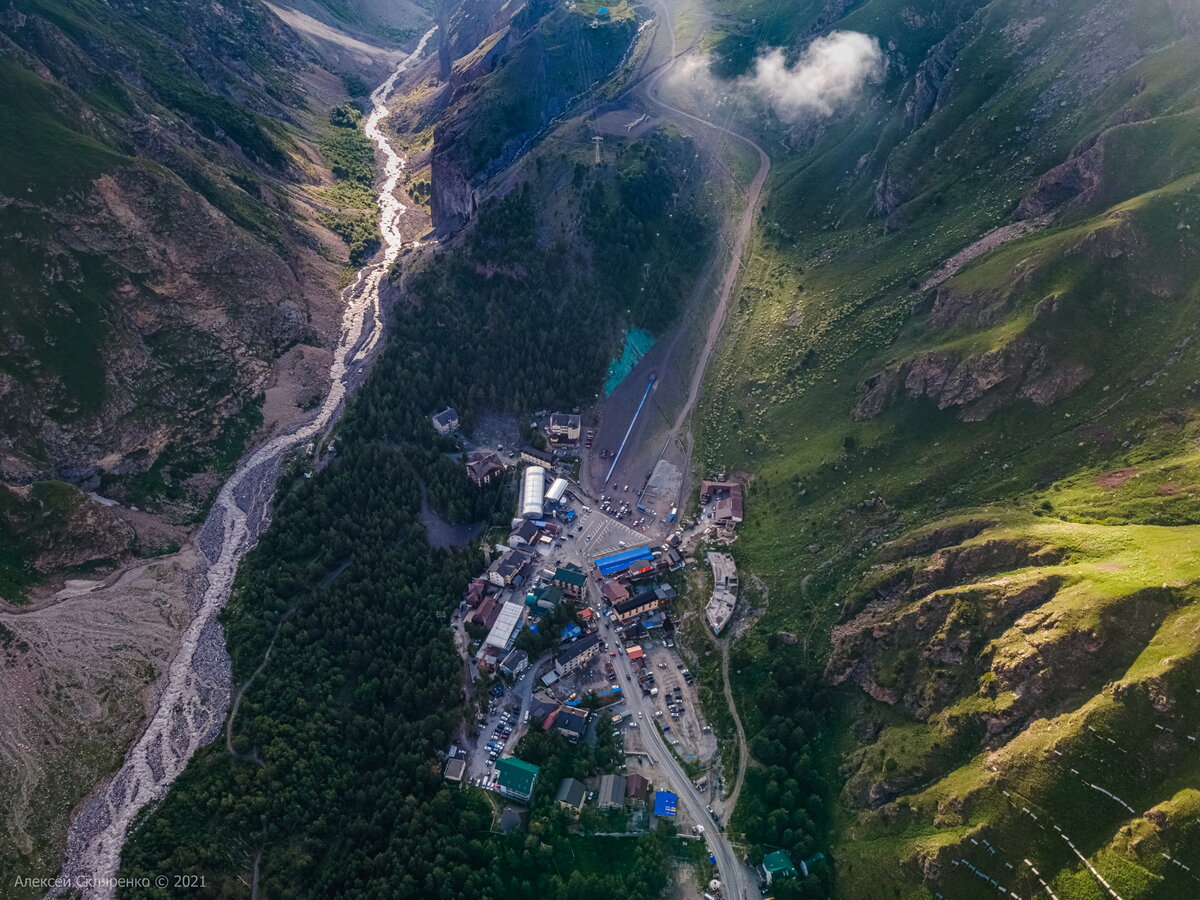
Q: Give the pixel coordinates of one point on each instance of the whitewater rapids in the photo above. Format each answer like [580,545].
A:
[194,694]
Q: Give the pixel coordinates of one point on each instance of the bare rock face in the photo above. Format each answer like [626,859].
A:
[976,385]
[1071,182]
[453,200]
[511,70]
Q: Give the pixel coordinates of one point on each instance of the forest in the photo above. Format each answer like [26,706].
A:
[334,785]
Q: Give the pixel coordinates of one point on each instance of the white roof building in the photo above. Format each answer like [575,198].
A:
[557,490]
[507,624]
[533,485]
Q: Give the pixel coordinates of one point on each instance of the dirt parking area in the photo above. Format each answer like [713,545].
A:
[679,705]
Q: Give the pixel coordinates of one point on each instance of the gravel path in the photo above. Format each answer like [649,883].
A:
[194,695]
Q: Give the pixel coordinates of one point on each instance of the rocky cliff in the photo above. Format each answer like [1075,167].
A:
[512,69]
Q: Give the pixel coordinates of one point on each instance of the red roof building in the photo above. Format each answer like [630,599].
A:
[614,592]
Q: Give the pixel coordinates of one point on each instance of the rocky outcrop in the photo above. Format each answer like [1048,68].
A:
[976,385]
[914,645]
[1073,182]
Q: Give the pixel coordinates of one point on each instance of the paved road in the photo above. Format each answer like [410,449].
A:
[736,878]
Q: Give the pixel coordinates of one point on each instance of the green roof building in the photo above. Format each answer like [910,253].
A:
[516,778]
[777,864]
[571,579]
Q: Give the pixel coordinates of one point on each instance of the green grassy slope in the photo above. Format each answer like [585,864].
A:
[864,407]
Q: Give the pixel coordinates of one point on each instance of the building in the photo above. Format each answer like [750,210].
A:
[564,428]
[720,606]
[612,792]
[445,422]
[455,769]
[728,511]
[635,560]
[636,787]
[716,490]
[515,663]
[556,491]
[571,579]
[665,804]
[483,466]
[503,570]
[485,613]
[635,652]
[475,592]
[571,794]
[577,655]
[614,592]
[541,708]
[536,457]
[726,500]
[506,627]
[524,534]
[533,484]
[776,864]
[515,778]
[544,599]
[570,724]
[628,610]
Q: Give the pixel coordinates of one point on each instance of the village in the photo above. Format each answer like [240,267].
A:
[572,630]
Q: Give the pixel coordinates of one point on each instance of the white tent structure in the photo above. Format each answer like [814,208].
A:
[533,484]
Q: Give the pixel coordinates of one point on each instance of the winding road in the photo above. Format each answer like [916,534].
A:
[735,236]
[195,692]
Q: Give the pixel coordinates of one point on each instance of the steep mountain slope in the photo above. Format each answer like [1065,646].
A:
[167,284]
[158,239]
[970,318]
[515,69]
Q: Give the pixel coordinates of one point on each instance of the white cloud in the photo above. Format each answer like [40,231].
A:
[831,71]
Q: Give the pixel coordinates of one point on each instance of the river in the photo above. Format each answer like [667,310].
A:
[194,694]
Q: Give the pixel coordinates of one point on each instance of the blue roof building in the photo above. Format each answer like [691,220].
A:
[626,559]
[665,803]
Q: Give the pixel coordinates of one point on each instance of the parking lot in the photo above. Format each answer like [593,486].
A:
[592,533]
[499,729]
